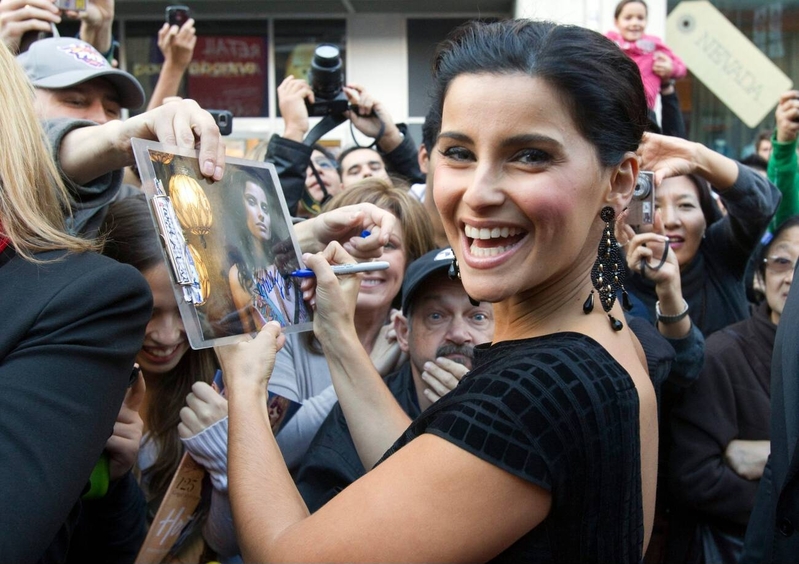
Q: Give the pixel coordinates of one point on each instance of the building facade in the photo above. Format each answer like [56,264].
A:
[246,48]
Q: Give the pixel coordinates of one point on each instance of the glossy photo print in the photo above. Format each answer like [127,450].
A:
[229,245]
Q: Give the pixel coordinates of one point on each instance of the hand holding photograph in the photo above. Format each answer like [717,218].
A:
[230,245]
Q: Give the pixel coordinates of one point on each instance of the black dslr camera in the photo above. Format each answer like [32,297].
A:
[326,78]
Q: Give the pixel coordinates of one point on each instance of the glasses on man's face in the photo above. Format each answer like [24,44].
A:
[778,264]
[324,164]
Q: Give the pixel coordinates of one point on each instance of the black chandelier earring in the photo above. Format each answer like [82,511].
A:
[454,273]
[607,274]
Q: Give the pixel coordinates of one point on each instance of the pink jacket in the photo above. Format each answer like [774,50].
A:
[643,53]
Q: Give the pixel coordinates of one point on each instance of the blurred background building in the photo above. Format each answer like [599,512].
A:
[247,47]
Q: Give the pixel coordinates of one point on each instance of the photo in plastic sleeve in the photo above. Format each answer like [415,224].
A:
[229,245]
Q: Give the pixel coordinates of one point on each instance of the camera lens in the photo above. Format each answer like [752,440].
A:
[326,75]
[643,187]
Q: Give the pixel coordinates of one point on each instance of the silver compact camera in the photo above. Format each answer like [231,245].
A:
[642,206]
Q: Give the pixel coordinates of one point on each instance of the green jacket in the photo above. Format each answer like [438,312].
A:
[783,171]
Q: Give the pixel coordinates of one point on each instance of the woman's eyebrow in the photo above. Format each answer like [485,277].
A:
[523,139]
[530,139]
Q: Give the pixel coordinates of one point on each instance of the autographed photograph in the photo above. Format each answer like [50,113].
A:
[230,245]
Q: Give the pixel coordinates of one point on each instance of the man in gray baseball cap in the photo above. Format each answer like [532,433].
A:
[72,79]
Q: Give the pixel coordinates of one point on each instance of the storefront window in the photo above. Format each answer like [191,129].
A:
[229,70]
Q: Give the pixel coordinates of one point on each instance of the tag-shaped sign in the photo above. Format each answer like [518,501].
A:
[179,503]
[728,63]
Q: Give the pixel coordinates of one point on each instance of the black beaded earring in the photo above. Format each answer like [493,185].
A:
[607,275]
[454,273]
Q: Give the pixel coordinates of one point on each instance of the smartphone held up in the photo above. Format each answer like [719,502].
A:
[177,15]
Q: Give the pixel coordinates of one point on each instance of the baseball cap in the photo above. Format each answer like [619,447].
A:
[421,269]
[61,62]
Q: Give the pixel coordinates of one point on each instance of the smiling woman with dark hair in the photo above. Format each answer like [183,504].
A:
[547,450]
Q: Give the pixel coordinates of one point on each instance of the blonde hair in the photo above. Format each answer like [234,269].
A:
[33,198]
[408,210]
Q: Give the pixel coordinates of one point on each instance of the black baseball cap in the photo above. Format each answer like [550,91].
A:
[438,260]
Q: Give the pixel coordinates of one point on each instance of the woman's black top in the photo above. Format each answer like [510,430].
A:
[560,412]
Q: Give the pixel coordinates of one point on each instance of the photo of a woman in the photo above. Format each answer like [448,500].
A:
[259,284]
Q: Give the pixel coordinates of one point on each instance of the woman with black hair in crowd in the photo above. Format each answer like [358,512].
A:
[711,249]
[547,449]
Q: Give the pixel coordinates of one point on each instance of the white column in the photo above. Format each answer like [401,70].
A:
[377,58]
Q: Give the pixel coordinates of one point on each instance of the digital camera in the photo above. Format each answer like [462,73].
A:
[642,206]
[326,77]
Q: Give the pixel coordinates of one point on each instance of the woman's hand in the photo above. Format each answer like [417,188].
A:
[247,366]
[346,225]
[123,445]
[204,407]
[645,252]
[332,297]
[645,255]
[668,156]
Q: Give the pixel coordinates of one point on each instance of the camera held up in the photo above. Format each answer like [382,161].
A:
[642,206]
[326,78]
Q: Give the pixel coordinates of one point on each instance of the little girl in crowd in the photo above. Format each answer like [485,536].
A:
[657,63]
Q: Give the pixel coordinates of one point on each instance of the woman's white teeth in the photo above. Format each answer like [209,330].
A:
[497,232]
[486,251]
[161,352]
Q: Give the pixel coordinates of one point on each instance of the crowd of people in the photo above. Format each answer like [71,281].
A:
[534,376]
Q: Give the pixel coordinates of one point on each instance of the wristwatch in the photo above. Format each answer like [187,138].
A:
[669,319]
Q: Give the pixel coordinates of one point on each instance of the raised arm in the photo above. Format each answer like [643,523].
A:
[783,167]
[374,417]
[177,45]
[87,153]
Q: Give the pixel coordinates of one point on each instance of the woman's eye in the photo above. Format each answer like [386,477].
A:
[532,156]
[456,153]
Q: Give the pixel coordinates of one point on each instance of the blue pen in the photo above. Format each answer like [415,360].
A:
[342,269]
[365,233]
